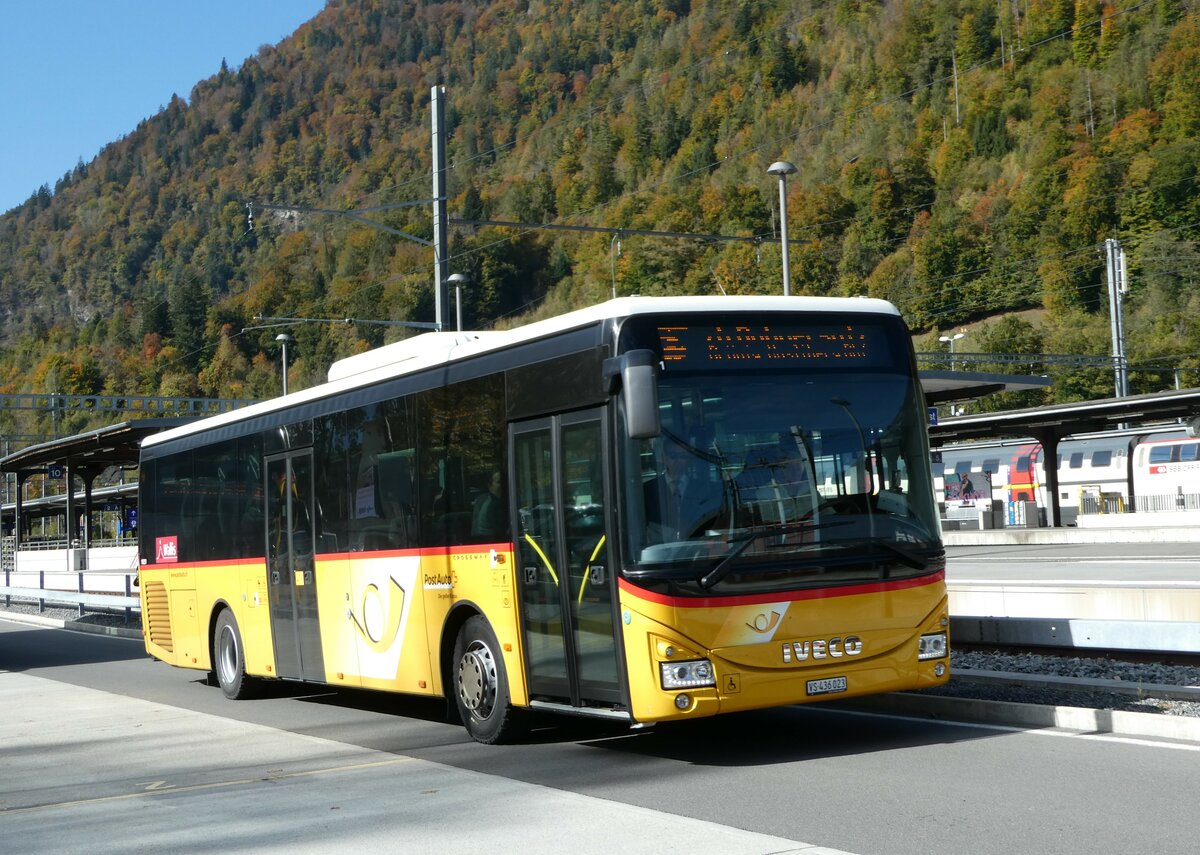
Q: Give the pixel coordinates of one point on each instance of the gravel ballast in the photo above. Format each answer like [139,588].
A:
[1074,681]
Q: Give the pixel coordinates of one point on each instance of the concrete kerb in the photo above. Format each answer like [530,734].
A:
[1032,716]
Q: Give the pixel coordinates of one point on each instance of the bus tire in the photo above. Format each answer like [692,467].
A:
[229,659]
[480,684]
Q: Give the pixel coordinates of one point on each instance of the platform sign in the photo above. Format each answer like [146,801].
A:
[54,472]
[933,416]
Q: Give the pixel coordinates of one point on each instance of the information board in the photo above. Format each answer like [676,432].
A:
[740,346]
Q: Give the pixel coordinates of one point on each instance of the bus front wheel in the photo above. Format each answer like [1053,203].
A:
[481,683]
[229,659]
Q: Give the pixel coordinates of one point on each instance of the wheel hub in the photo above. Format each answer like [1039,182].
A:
[227,655]
[477,679]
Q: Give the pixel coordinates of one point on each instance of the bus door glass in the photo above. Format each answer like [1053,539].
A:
[567,586]
[291,570]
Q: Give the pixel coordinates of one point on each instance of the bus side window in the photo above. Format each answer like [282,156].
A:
[467,425]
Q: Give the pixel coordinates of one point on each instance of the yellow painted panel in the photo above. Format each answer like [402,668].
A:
[870,638]
[253,613]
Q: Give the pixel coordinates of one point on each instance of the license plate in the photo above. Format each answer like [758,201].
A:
[828,686]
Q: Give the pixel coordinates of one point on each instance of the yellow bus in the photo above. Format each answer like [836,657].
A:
[653,509]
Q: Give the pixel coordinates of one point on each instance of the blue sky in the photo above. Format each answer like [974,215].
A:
[76,75]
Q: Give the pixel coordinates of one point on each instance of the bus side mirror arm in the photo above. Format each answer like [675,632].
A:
[635,376]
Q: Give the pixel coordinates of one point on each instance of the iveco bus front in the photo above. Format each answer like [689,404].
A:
[780,540]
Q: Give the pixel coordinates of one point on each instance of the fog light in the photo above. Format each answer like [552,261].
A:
[683,702]
[932,646]
[687,675]
[939,669]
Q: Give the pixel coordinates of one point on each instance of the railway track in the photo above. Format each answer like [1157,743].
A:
[1113,680]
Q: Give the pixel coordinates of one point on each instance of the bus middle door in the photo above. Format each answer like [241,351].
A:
[291,568]
[566,584]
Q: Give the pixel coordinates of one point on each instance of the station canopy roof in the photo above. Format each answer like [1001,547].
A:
[115,445]
[942,387]
[1056,421]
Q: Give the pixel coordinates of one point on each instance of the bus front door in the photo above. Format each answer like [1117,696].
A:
[291,569]
[566,583]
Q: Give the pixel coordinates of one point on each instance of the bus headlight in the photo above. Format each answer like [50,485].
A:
[932,646]
[687,675]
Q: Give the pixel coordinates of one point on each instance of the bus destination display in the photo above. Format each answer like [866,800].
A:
[737,346]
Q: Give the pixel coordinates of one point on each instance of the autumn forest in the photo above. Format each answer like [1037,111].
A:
[965,159]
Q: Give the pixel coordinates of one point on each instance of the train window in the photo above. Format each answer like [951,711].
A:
[962,467]
[1058,465]
[1190,451]
[1076,460]
[1101,458]
[992,465]
[1023,463]
[1160,454]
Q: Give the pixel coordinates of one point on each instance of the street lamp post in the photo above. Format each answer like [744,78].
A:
[458,280]
[783,169]
[283,339]
[951,339]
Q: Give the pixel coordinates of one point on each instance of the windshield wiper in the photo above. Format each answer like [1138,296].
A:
[906,555]
[725,565]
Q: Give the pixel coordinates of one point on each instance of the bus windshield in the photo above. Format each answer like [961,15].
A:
[781,479]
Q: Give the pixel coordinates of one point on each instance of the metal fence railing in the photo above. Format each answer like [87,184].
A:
[128,603]
[95,580]
[1102,503]
[1168,502]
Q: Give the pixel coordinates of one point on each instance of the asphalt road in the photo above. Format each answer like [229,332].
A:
[106,750]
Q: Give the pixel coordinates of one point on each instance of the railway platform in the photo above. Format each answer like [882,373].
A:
[1118,588]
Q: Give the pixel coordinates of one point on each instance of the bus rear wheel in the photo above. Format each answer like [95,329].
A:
[481,684]
[229,659]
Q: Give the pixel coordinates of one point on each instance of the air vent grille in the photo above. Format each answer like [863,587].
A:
[158,616]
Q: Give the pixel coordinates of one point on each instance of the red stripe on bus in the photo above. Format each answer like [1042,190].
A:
[793,596]
[183,565]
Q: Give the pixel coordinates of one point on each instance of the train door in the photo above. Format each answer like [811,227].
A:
[291,568]
[566,583]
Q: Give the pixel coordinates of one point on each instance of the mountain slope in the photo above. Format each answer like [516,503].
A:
[963,158]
